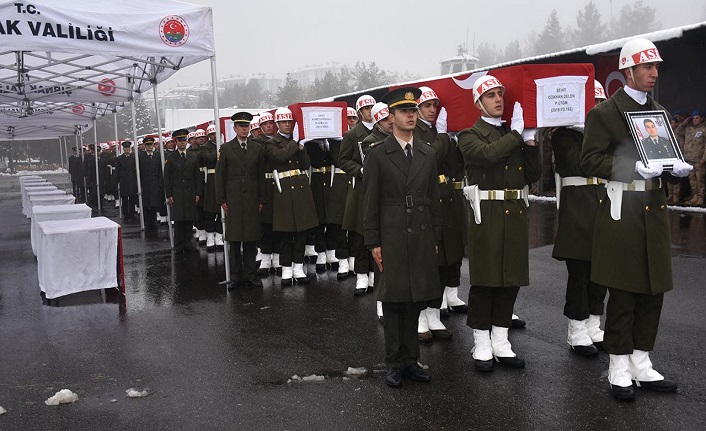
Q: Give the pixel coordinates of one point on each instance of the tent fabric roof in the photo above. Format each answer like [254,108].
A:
[64,63]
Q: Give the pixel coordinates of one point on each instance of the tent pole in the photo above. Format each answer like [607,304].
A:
[137,166]
[161,155]
[95,153]
[117,154]
[217,123]
[79,135]
[61,158]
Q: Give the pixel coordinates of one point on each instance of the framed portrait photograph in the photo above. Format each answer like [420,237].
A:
[654,137]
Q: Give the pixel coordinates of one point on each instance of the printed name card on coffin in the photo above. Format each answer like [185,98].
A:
[320,120]
[546,91]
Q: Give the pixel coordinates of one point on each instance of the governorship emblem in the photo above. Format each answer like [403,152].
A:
[174,31]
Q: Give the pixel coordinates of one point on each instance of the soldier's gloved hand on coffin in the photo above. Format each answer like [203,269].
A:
[295,132]
[681,169]
[517,123]
[528,134]
[442,121]
[653,169]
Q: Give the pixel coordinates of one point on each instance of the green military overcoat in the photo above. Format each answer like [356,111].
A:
[497,159]
[353,216]
[183,183]
[578,204]
[631,254]
[240,183]
[402,216]
[208,158]
[293,208]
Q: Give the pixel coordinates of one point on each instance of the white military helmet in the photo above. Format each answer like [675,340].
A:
[190,135]
[265,117]
[599,91]
[283,114]
[211,129]
[637,51]
[427,94]
[483,84]
[363,101]
[104,146]
[255,122]
[350,112]
[380,112]
[199,133]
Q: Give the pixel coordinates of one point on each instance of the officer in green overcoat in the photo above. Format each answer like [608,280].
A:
[402,225]
[240,192]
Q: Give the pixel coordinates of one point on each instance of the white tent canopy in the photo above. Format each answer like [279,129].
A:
[65,62]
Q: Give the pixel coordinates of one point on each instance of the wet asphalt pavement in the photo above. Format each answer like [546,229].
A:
[219,360]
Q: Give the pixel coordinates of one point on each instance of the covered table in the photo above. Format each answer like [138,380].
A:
[49,200]
[36,188]
[77,255]
[42,213]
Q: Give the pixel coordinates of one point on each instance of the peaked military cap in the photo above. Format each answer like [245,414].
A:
[403,97]
[242,118]
[181,133]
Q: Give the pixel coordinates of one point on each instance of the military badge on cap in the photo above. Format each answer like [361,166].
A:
[148,140]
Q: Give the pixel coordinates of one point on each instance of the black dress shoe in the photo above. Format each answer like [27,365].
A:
[425,337]
[341,276]
[333,266]
[254,282]
[416,373]
[663,385]
[442,334]
[518,324]
[303,280]
[623,393]
[393,378]
[320,268]
[359,292]
[381,320]
[463,309]
[286,282]
[263,272]
[588,351]
[444,312]
[598,344]
[483,366]
[278,270]
[511,361]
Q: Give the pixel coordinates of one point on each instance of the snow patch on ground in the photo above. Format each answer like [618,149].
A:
[64,396]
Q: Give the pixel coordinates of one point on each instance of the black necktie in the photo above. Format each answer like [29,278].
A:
[183,156]
[408,149]
[244,146]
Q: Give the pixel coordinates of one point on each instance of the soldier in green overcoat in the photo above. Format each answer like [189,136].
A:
[294,212]
[631,248]
[500,163]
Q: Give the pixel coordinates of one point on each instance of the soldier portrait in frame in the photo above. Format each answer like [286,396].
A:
[654,137]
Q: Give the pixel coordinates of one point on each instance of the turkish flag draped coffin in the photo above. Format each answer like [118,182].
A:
[319,120]
[551,94]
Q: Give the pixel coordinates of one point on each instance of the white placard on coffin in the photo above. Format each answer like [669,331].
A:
[322,122]
[561,101]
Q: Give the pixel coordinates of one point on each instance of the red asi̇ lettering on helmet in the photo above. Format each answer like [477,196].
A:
[645,56]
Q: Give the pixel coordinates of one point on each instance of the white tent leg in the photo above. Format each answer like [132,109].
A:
[95,152]
[161,155]
[217,123]
[117,153]
[137,166]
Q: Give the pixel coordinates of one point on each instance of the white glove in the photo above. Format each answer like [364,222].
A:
[295,132]
[652,170]
[528,134]
[442,121]
[517,122]
[681,169]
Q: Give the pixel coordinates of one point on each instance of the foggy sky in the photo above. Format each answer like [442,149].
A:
[276,36]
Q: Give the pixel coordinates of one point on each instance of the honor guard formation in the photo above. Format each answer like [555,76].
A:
[399,201]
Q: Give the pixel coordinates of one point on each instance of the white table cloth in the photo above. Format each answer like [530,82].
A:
[24,178]
[33,188]
[49,200]
[77,255]
[43,213]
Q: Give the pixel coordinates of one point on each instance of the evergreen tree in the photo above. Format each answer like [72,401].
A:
[487,54]
[369,76]
[590,28]
[512,51]
[290,92]
[551,39]
[635,19]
